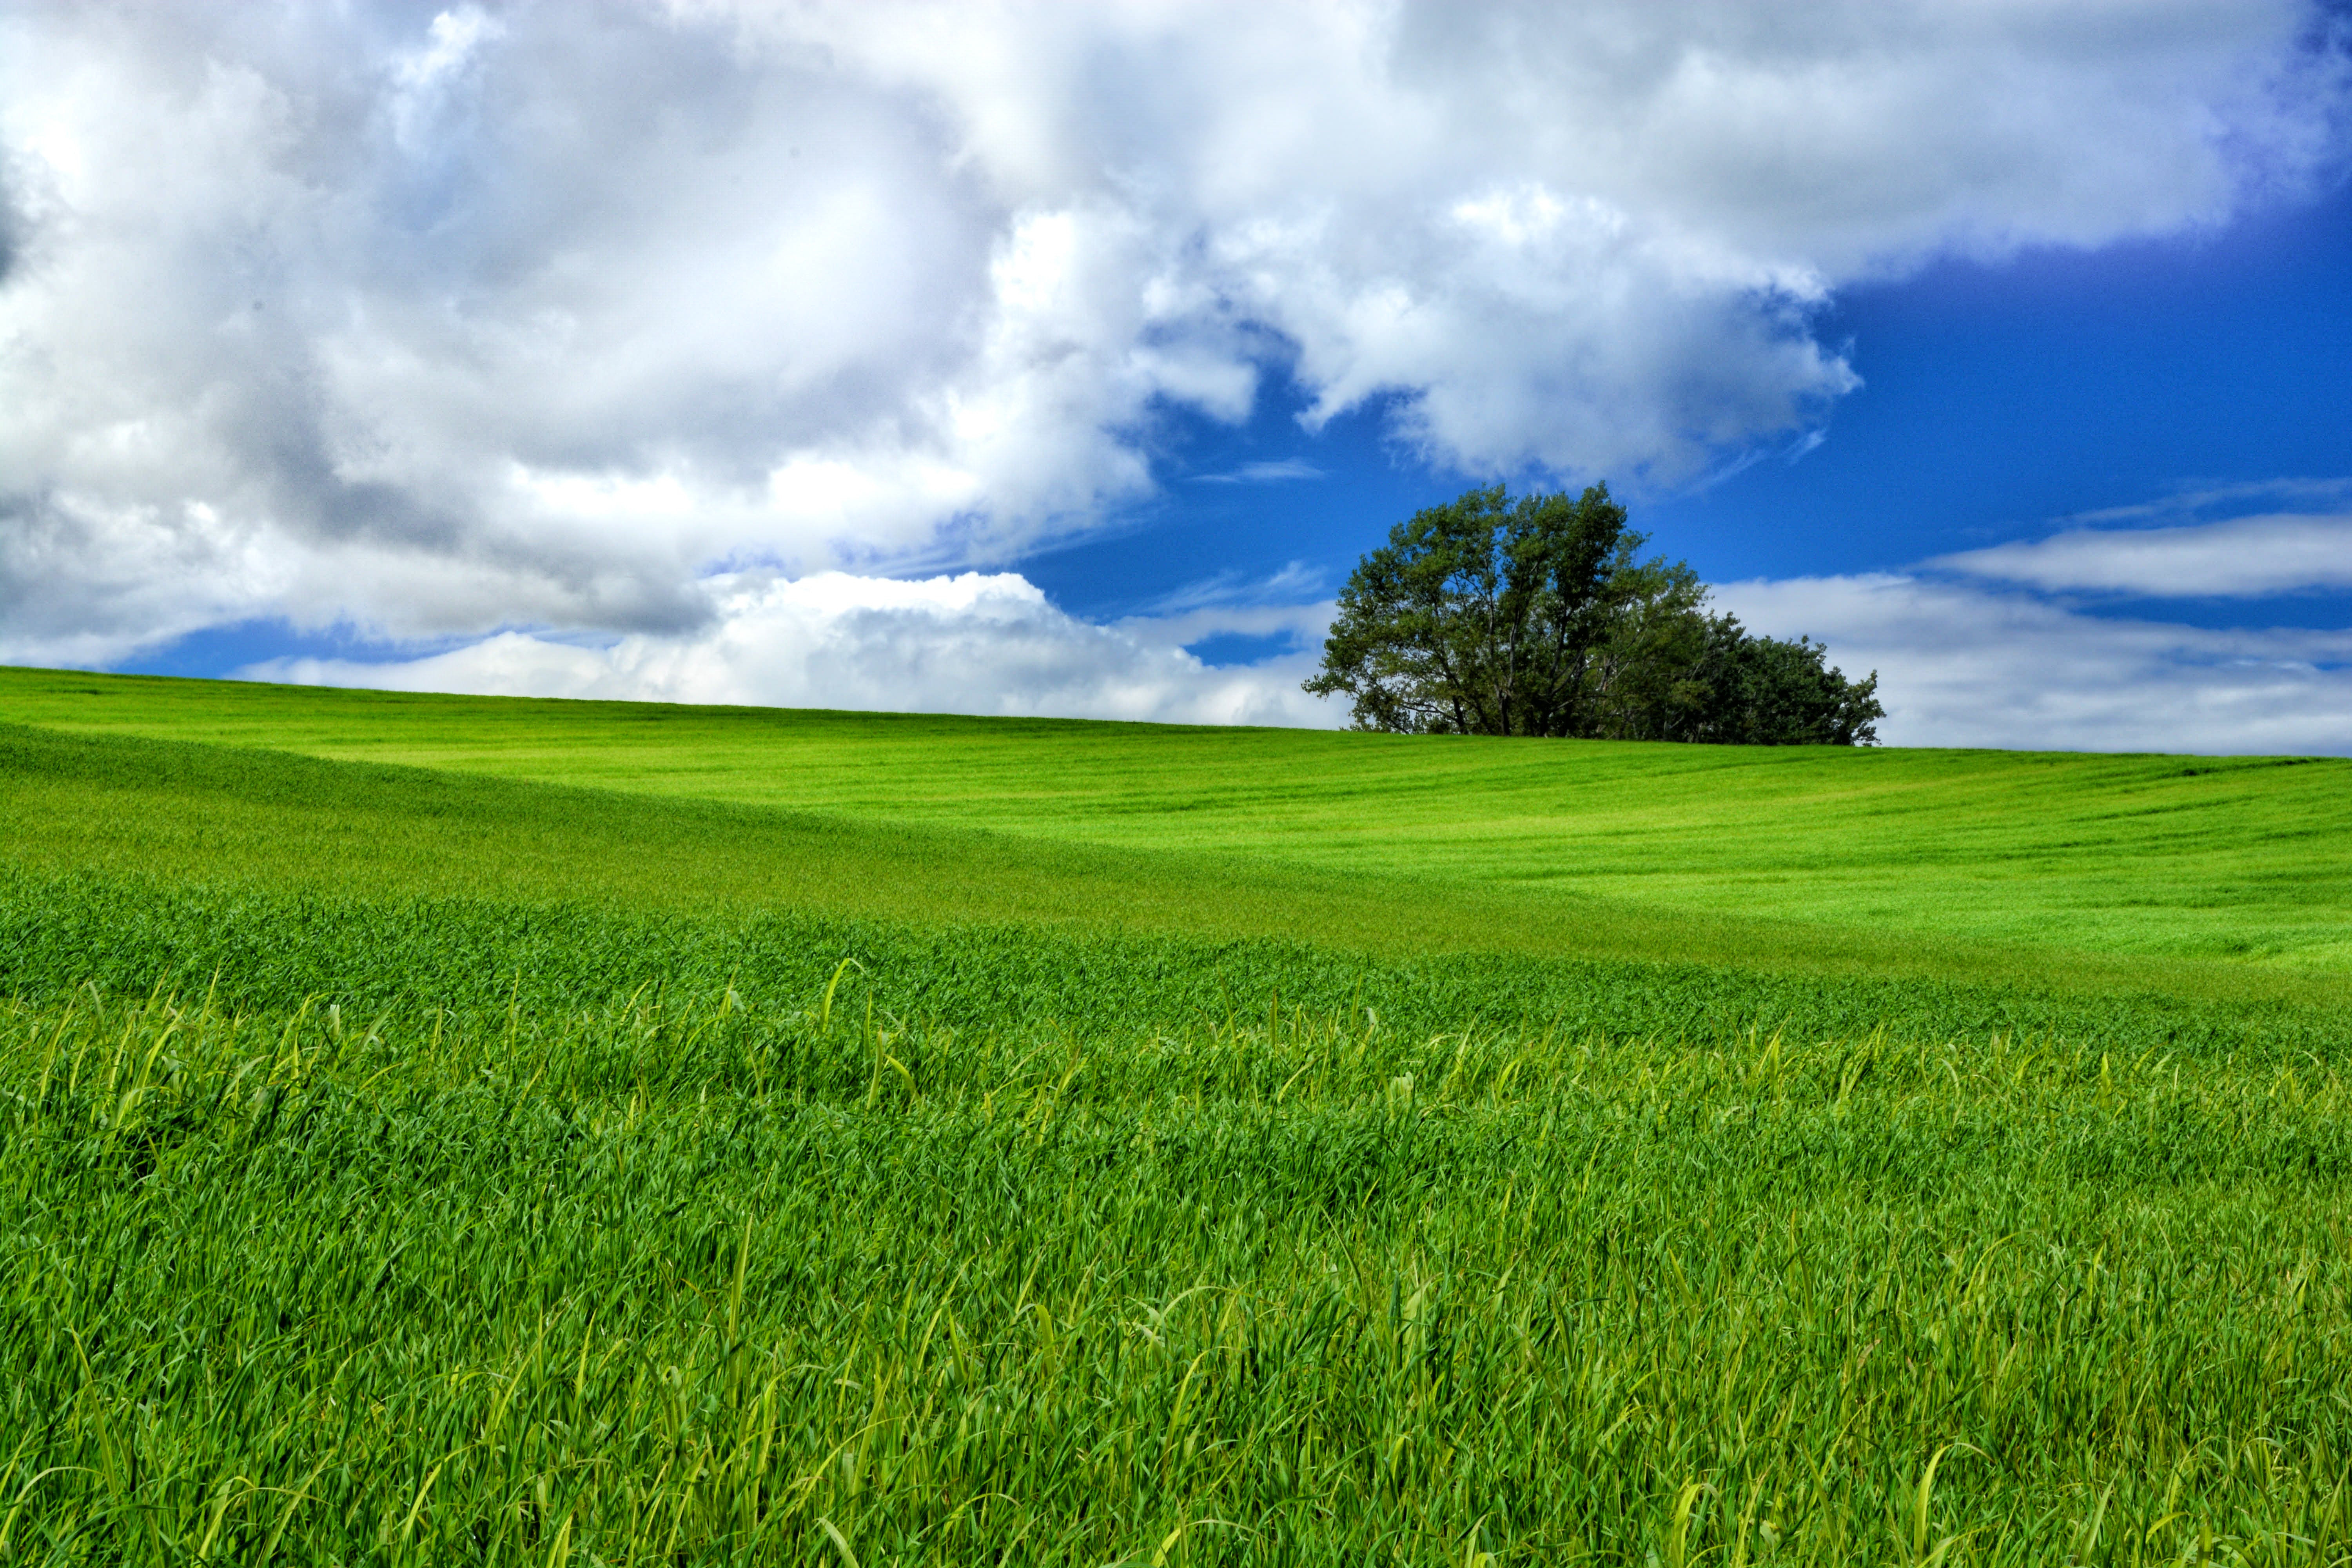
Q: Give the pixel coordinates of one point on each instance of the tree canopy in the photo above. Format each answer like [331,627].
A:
[1490,616]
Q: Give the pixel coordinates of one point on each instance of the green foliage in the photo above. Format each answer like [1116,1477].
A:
[1486,616]
[1490,617]
[1764,691]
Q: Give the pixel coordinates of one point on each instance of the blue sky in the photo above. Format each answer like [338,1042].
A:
[1045,359]
[1999,400]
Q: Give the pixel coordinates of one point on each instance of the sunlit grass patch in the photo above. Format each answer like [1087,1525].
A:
[706,1282]
[402,1166]
[2212,858]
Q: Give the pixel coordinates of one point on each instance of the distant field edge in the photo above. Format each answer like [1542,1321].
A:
[2236,861]
[57,699]
[173,815]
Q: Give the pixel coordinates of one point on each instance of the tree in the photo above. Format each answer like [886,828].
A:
[1764,691]
[1538,617]
[1484,615]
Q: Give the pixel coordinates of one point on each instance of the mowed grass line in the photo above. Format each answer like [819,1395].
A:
[2244,859]
[714,1284]
[171,815]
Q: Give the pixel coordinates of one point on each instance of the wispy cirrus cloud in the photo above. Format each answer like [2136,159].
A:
[2073,640]
[1272,472]
[1966,663]
[2068,641]
[2244,557]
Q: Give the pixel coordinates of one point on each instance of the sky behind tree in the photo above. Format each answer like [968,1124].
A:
[1056,359]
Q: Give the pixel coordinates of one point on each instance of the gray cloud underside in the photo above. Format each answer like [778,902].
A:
[540,315]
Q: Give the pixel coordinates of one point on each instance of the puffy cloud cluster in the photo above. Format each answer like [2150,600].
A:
[966,644]
[563,316]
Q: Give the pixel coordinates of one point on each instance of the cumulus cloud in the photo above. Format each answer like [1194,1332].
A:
[566,317]
[966,644]
[2238,558]
[1962,662]
[1967,664]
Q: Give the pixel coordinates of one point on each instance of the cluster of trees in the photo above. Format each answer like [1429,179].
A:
[1538,617]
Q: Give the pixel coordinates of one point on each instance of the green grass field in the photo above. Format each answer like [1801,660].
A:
[2231,857]
[461,1129]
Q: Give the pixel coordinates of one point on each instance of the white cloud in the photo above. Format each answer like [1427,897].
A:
[539,314]
[967,644]
[1961,663]
[1264,473]
[2239,558]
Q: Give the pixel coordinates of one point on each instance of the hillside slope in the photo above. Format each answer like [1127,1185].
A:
[995,1142]
[2233,858]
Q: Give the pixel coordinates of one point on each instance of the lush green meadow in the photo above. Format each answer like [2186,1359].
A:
[443,1129]
[2194,856]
